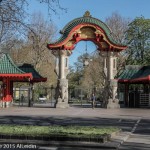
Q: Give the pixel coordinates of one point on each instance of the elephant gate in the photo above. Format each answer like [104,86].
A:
[87,28]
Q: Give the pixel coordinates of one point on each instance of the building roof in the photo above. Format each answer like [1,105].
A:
[135,74]
[88,20]
[7,66]
[9,69]
[28,68]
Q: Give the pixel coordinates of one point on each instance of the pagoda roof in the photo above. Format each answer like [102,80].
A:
[28,68]
[86,19]
[9,69]
[7,66]
[135,74]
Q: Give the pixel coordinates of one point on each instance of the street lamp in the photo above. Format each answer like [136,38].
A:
[86,58]
[85,62]
[52,87]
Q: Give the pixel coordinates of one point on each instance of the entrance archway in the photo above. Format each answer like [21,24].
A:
[86,28]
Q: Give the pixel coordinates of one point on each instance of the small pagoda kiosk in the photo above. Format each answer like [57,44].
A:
[10,73]
[139,95]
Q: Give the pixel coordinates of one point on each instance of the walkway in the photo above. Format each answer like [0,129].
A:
[76,112]
[134,123]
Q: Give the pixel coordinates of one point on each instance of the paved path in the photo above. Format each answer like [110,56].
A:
[136,142]
[76,112]
[133,122]
[139,138]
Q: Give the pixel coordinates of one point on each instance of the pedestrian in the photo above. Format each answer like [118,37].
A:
[93,100]
[22,99]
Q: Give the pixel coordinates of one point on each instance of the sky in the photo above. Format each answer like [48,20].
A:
[100,9]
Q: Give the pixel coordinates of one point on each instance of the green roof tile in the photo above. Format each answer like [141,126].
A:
[134,72]
[86,19]
[28,68]
[7,66]
[143,72]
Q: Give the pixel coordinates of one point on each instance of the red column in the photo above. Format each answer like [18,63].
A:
[11,88]
[7,97]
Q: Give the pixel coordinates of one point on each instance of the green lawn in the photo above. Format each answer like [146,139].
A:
[72,131]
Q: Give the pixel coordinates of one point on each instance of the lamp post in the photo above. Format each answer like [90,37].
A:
[94,89]
[51,93]
[81,93]
[86,58]
[85,61]
[32,89]
[29,95]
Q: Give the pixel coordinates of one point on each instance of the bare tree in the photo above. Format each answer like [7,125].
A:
[53,6]
[118,26]
[42,33]
[33,50]
[11,14]
[12,18]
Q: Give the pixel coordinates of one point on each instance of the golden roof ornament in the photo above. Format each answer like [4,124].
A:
[87,14]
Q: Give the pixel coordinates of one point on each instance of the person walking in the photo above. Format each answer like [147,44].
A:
[22,99]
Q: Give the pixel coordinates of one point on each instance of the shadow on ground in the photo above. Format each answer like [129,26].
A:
[124,124]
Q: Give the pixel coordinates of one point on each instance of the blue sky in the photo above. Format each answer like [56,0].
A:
[100,9]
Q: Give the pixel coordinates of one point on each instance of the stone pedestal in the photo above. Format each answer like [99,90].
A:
[113,103]
[61,103]
[6,104]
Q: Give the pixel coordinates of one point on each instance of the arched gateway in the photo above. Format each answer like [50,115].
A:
[86,28]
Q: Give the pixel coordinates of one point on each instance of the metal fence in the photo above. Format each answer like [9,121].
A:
[82,97]
[22,96]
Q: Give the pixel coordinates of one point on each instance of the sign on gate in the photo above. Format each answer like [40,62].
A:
[81,96]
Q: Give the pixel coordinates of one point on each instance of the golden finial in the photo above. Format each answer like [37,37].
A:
[87,14]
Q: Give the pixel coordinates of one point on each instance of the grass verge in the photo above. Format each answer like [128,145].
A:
[71,131]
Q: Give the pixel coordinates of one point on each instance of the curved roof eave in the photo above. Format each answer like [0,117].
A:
[28,68]
[83,20]
[7,66]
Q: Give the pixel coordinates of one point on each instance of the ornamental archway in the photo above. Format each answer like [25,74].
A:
[86,28]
